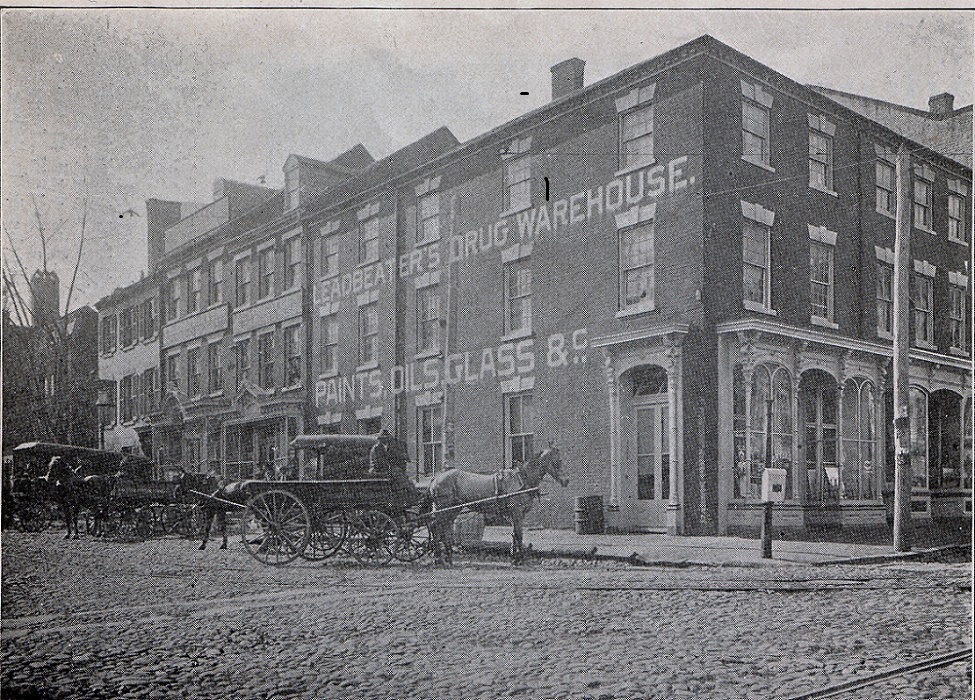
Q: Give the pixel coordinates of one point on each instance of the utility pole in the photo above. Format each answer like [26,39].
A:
[766,497]
[902,362]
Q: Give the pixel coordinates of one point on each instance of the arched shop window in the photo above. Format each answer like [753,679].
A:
[919,438]
[750,407]
[944,439]
[819,413]
[858,475]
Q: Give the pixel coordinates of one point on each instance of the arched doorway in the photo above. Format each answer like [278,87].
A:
[646,473]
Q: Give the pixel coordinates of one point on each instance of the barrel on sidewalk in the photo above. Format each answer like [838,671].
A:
[589,515]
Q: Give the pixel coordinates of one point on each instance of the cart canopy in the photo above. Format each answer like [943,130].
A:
[32,458]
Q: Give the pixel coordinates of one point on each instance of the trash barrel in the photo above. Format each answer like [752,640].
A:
[589,515]
[469,530]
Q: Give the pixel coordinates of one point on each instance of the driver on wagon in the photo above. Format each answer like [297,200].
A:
[384,457]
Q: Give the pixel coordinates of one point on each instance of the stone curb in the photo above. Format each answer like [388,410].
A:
[900,556]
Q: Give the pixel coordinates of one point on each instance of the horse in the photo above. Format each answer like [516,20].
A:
[215,490]
[456,487]
[73,492]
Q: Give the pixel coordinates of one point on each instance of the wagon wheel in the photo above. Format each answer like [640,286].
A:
[326,538]
[414,539]
[170,518]
[373,538]
[33,517]
[275,527]
[136,525]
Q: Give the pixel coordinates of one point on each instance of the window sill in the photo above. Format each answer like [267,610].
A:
[427,242]
[958,352]
[885,335]
[367,366]
[367,263]
[959,241]
[517,335]
[330,374]
[759,163]
[515,210]
[760,308]
[634,168]
[290,388]
[925,229]
[824,323]
[823,190]
[889,215]
[427,354]
[215,394]
[925,345]
[635,310]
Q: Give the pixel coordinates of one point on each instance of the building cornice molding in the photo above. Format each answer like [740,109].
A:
[656,331]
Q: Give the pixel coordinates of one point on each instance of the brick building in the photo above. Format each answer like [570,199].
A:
[630,272]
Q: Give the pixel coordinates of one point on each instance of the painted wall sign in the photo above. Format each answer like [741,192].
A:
[597,202]
[488,365]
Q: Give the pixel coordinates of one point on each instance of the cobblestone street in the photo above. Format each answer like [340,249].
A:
[159,619]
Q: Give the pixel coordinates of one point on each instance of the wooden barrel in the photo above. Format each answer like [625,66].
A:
[589,515]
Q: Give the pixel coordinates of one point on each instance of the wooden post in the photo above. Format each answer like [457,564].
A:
[902,378]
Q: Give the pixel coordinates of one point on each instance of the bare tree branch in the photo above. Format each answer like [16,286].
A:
[77,262]
[40,230]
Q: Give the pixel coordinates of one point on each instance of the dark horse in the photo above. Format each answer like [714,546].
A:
[72,492]
[456,487]
[212,494]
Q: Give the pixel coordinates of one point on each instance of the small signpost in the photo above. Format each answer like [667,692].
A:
[773,487]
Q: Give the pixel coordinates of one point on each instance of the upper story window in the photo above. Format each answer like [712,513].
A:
[293,259]
[756,109]
[427,318]
[242,292]
[265,273]
[518,296]
[756,249]
[821,133]
[127,398]
[329,344]
[265,360]
[242,361]
[635,114]
[292,356]
[369,233]
[149,402]
[822,243]
[519,428]
[194,384]
[172,370]
[886,188]
[215,282]
[214,367]
[328,258]
[957,312]
[368,334]
[108,327]
[194,290]
[885,299]
[516,186]
[958,220]
[148,328]
[171,299]
[923,197]
[636,259]
[428,218]
[126,330]
[922,299]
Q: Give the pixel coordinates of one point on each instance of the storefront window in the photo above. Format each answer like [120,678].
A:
[818,406]
[944,437]
[919,439]
[858,475]
[751,428]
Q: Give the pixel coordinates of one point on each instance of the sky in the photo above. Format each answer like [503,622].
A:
[105,108]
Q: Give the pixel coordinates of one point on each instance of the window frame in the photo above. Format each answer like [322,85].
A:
[520,299]
[766,268]
[109,333]
[649,263]
[957,315]
[148,329]
[291,341]
[293,260]
[370,234]
[526,438]
[922,313]
[764,158]
[215,282]
[429,444]
[194,373]
[828,286]
[885,270]
[923,208]
[428,318]
[265,273]
[884,192]
[368,326]
[194,290]
[329,345]
[516,165]
[265,360]
[242,281]
[627,160]
[214,368]
[427,221]
[824,160]
[242,361]
[957,223]
[149,390]
[328,256]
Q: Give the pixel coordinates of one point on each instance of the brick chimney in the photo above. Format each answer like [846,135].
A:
[941,106]
[567,77]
